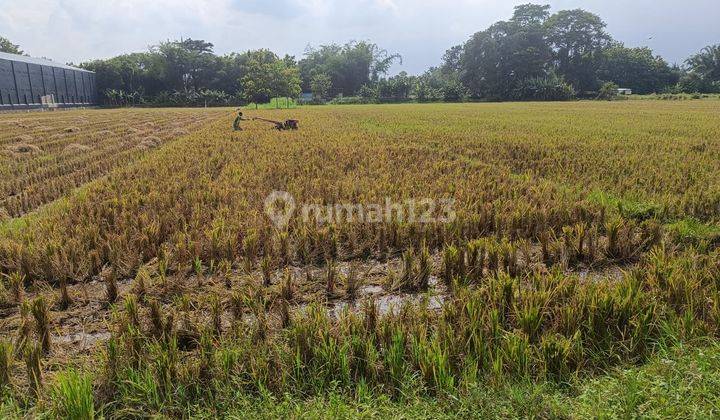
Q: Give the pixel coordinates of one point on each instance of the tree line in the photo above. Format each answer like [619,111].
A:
[535,55]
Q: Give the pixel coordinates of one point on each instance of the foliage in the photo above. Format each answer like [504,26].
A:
[505,60]
[188,73]
[72,396]
[496,60]
[608,91]
[550,88]
[8,47]
[703,72]
[577,37]
[681,383]
[635,68]
[349,66]
[268,77]
[320,86]
[276,103]
[515,59]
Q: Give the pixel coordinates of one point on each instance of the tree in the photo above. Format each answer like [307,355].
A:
[452,60]
[635,68]
[396,88]
[438,84]
[189,63]
[137,72]
[494,61]
[349,66]
[704,69]
[320,86]
[265,76]
[577,37]
[608,91]
[531,14]
[8,47]
[286,80]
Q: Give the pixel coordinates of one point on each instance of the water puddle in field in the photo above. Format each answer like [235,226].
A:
[82,339]
[389,304]
[611,274]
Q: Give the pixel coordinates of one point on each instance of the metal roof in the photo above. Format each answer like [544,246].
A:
[39,61]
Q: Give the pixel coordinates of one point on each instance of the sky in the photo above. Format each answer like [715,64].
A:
[420,30]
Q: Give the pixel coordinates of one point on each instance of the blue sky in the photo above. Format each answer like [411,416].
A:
[420,30]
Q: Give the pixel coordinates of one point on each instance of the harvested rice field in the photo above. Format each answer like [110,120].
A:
[440,260]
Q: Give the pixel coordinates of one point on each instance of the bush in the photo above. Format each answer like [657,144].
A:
[608,91]
[453,92]
[550,88]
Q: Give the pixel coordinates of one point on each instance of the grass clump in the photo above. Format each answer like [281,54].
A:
[694,232]
[72,396]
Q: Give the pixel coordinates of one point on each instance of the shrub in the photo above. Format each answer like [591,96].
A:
[608,91]
[550,88]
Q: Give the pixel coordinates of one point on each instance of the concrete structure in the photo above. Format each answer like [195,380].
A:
[27,82]
[624,91]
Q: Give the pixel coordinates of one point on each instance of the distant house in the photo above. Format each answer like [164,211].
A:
[624,91]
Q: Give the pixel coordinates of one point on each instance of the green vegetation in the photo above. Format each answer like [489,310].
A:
[693,231]
[275,103]
[683,383]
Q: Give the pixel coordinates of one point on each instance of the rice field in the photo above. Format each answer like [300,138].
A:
[42,158]
[399,253]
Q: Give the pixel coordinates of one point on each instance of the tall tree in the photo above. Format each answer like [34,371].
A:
[130,73]
[706,63]
[189,63]
[349,66]
[703,72]
[635,68]
[265,76]
[496,60]
[320,86]
[577,37]
[8,47]
[452,60]
[529,14]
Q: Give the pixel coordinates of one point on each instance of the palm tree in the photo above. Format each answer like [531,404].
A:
[706,64]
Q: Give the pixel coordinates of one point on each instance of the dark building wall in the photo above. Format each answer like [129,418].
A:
[36,83]
[22,84]
[87,85]
[49,81]
[62,94]
[7,84]
[80,88]
[73,94]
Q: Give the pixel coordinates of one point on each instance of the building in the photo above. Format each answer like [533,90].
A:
[27,82]
[624,91]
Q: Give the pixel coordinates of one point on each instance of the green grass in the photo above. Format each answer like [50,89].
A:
[72,396]
[693,231]
[684,384]
[275,103]
[628,208]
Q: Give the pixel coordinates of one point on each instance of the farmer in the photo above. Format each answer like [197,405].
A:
[236,124]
